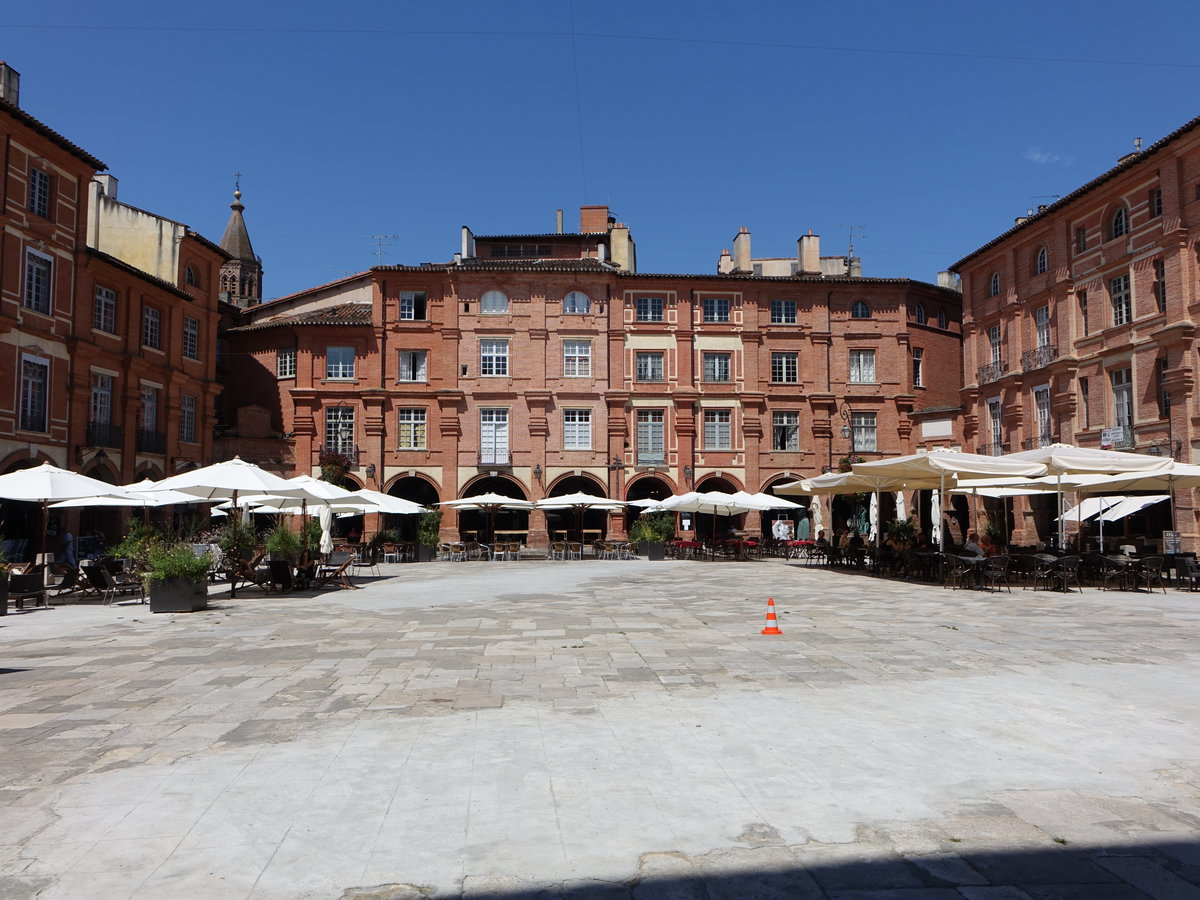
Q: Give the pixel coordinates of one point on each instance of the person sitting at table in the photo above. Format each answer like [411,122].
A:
[306,567]
[972,545]
[822,541]
[923,543]
[856,541]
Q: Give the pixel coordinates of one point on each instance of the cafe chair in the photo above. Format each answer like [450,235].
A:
[960,573]
[995,573]
[1149,573]
[1192,574]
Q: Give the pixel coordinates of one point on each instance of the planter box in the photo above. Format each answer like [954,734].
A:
[178,595]
[652,550]
[426,554]
[4,594]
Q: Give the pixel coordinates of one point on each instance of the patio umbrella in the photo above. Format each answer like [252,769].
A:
[875,518]
[488,503]
[901,512]
[47,483]
[815,508]
[580,503]
[326,519]
[386,503]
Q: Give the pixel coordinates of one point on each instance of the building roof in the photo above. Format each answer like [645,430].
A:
[144,276]
[341,314]
[541,237]
[236,240]
[45,131]
[201,239]
[480,264]
[1129,162]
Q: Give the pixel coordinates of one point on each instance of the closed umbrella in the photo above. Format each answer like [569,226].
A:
[875,518]
[815,509]
[326,519]
[901,511]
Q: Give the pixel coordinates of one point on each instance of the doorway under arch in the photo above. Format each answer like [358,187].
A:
[416,490]
[647,487]
[576,522]
[710,527]
[488,522]
[17,517]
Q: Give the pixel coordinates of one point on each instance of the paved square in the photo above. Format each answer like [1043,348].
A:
[607,729]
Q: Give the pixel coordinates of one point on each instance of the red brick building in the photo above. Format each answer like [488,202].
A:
[536,365]
[1079,323]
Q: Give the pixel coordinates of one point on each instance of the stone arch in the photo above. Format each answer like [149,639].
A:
[419,489]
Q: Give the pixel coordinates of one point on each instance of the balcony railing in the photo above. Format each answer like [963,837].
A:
[996,448]
[1042,440]
[347,450]
[104,434]
[493,458]
[1038,358]
[149,441]
[991,372]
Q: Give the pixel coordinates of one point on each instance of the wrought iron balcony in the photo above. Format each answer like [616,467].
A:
[1038,358]
[996,448]
[991,372]
[150,441]
[493,458]
[1042,440]
[104,434]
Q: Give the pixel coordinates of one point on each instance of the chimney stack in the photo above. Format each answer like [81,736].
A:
[725,263]
[741,251]
[558,221]
[10,84]
[808,249]
[468,243]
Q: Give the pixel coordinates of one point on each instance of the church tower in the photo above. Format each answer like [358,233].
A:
[241,275]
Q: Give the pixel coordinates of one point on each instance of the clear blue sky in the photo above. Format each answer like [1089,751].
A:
[929,124]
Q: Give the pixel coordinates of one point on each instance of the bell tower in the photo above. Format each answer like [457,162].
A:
[241,275]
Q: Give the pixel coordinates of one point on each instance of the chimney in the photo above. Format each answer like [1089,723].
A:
[108,185]
[808,249]
[950,281]
[558,221]
[10,84]
[468,243]
[856,267]
[624,254]
[593,219]
[725,263]
[741,251]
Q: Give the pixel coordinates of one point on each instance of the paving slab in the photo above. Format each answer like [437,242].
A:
[605,729]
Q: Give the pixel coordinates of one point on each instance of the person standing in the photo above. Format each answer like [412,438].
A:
[69,559]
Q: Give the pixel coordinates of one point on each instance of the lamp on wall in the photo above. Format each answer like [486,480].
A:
[687,474]
[847,429]
[370,470]
[537,472]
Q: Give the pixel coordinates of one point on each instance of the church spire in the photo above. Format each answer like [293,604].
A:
[241,275]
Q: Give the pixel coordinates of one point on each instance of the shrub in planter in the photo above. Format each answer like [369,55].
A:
[429,534]
[284,544]
[651,531]
[176,579]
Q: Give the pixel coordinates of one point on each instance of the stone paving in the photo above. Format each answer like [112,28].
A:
[605,729]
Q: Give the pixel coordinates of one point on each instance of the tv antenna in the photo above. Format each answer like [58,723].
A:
[850,229]
[381,241]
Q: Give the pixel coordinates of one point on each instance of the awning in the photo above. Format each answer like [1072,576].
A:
[1092,506]
[1130,505]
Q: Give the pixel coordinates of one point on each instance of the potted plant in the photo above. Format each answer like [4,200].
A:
[284,544]
[429,533]
[651,532]
[176,579]
[903,530]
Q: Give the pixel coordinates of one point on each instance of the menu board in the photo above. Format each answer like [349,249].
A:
[1172,542]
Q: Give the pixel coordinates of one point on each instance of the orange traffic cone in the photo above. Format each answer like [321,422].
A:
[772,622]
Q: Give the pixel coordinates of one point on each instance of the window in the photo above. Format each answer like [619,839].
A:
[1041,318]
[104,310]
[864,432]
[1122,391]
[149,419]
[520,251]
[918,357]
[862,366]
[860,310]
[785,431]
[100,411]
[577,303]
[577,359]
[785,367]
[920,315]
[38,268]
[1080,239]
[151,328]
[997,425]
[718,429]
[1160,284]
[943,322]
[1085,402]
[1160,386]
[1083,311]
[717,366]
[410,365]
[649,309]
[39,193]
[191,337]
[187,419]
[1041,262]
[493,302]
[189,277]
[493,436]
[1041,403]
[35,393]
[412,305]
[1122,300]
[716,309]
[493,357]
[995,346]
[649,366]
[651,434]
[1155,203]
[285,362]
[1119,225]
[339,430]
[783,312]
[339,363]
[410,429]
[994,285]
[577,429]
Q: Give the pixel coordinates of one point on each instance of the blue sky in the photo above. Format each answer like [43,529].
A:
[927,125]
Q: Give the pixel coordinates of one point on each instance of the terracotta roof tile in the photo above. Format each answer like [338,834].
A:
[341,314]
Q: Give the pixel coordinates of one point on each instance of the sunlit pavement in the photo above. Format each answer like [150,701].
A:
[607,729]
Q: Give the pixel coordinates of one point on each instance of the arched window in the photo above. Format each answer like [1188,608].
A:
[1119,226]
[1041,262]
[189,276]
[860,310]
[920,315]
[577,303]
[994,285]
[493,302]
[942,321]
